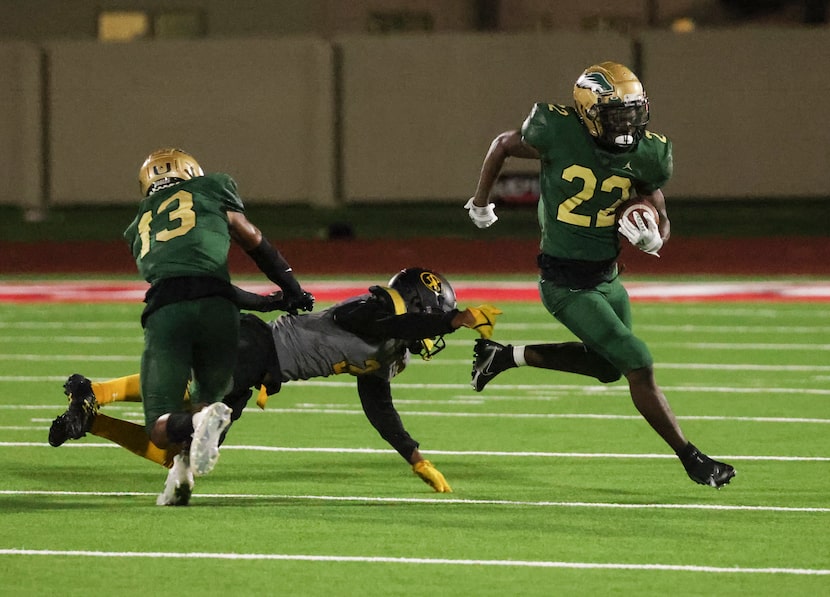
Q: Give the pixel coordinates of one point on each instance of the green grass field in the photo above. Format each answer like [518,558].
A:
[560,488]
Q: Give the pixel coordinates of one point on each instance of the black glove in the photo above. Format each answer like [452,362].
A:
[256,302]
[298,302]
[273,302]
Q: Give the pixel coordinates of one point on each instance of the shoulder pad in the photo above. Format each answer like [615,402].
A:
[538,127]
[391,297]
[229,193]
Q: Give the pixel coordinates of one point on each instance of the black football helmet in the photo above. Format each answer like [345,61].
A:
[424,291]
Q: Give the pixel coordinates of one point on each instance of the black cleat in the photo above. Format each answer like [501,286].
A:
[702,469]
[77,420]
[490,359]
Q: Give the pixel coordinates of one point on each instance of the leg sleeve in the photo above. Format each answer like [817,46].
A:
[132,437]
[120,389]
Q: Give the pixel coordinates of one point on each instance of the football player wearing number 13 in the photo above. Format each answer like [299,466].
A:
[180,240]
[594,156]
[371,336]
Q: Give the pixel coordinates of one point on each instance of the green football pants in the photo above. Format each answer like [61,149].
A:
[196,337]
[601,318]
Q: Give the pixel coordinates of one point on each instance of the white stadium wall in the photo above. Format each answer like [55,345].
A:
[419,112]
[398,118]
[21,131]
[746,110]
[260,110]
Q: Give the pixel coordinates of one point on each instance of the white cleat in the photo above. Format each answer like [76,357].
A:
[208,425]
[179,484]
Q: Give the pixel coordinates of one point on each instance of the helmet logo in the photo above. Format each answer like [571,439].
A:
[157,168]
[431,281]
[596,82]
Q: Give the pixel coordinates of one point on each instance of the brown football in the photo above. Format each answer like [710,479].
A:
[629,208]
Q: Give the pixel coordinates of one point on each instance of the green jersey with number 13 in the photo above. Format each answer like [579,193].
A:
[183,230]
[582,185]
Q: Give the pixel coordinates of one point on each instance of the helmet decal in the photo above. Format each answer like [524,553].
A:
[431,281]
[596,82]
[158,171]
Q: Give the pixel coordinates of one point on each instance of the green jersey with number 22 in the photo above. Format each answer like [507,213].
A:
[582,185]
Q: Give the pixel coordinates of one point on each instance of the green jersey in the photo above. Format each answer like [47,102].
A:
[582,185]
[182,230]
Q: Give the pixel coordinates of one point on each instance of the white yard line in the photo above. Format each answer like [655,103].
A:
[437,501]
[337,409]
[463,453]
[414,561]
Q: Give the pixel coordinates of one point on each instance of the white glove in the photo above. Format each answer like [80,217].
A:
[483,217]
[644,234]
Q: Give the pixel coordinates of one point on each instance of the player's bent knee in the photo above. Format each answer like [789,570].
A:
[641,376]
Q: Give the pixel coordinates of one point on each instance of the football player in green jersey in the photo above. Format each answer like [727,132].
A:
[371,336]
[594,156]
[180,240]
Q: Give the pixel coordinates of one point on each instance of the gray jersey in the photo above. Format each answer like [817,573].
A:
[312,345]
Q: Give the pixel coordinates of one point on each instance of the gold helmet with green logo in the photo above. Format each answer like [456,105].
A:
[612,104]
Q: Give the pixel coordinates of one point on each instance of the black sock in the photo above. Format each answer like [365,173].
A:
[688,452]
[574,357]
[179,427]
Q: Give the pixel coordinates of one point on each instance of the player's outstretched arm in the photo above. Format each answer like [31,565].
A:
[376,398]
[429,474]
[269,260]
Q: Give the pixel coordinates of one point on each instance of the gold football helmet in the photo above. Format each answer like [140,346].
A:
[166,164]
[612,104]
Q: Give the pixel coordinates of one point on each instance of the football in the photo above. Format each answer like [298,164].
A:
[629,208]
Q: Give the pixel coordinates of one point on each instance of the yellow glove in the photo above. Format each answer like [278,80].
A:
[484,319]
[431,476]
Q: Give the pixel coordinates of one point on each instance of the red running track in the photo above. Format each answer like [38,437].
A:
[801,256]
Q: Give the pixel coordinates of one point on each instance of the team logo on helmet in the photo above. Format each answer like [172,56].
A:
[596,82]
[431,281]
[158,170]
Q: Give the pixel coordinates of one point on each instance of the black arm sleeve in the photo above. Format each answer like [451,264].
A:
[373,318]
[376,398]
[251,301]
[274,265]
